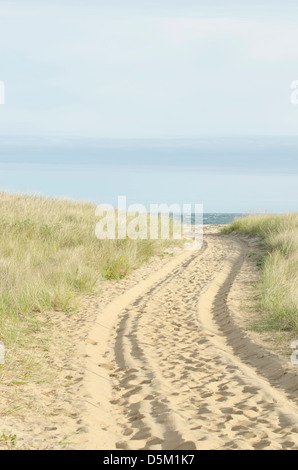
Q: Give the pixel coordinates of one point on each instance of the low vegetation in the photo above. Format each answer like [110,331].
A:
[278,287]
[49,255]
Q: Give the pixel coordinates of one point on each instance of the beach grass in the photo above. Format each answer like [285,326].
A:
[49,256]
[278,286]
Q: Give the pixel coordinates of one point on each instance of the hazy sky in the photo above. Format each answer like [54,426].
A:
[156,68]
[76,71]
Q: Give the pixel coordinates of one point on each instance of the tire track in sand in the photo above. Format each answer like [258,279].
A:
[182,378]
[143,383]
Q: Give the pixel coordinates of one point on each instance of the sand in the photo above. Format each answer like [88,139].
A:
[164,360]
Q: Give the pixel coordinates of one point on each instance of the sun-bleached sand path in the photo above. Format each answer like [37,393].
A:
[169,366]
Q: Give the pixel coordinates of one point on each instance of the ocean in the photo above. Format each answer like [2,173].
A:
[211,218]
[220,219]
[228,176]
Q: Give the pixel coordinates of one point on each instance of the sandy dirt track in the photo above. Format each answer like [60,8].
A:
[169,365]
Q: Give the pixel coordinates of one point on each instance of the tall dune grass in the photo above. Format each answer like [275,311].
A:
[278,287]
[49,254]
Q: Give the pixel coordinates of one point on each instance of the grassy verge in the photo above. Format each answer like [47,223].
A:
[278,286]
[49,255]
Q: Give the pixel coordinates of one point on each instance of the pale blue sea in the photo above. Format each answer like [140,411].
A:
[220,219]
[229,176]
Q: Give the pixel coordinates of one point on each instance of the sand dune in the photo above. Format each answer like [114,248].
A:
[163,360]
[169,365]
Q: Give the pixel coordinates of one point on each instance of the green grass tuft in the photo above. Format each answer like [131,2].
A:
[278,287]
